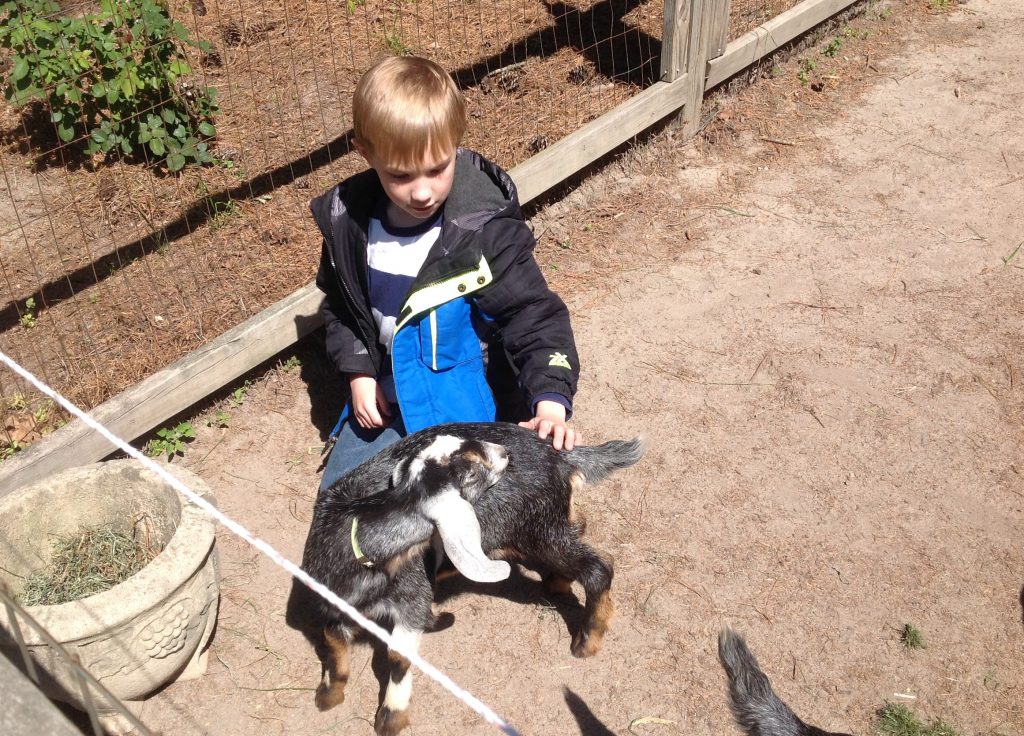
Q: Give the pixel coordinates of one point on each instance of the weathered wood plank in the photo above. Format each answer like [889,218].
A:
[577,150]
[718,35]
[675,39]
[169,391]
[752,47]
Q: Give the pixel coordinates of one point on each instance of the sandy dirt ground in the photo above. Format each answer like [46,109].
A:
[827,356]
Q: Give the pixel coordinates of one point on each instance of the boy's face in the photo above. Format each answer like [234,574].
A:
[418,191]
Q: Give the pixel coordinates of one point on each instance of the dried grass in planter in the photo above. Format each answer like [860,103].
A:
[90,561]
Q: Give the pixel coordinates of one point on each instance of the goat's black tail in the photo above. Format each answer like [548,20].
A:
[597,462]
[758,710]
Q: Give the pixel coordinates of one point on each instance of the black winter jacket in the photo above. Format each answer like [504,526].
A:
[482,220]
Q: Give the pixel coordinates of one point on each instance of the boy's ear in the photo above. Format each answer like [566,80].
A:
[360,148]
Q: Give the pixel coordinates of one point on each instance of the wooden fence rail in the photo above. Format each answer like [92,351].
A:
[694,59]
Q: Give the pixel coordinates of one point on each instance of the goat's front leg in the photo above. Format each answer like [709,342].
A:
[336,668]
[393,714]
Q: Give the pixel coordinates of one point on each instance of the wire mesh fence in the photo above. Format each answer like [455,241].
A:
[112,266]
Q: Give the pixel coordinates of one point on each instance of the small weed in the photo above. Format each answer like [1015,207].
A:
[28,319]
[777,71]
[353,4]
[291,364]
[896,719]
[832,47]
[238,395]
[565,244]
[547,611]
[393,40]
[807,66]
[42,412]
[94,297]
[221,212]
[18,402]
[940,4]
[219,420]
[170,440]
[912,637]
[8,449]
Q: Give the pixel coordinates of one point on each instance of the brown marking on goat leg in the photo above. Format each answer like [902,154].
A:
[389,722]
[392,566]
[399,665]
[574,516]
[557,584]
[332,692]
[588,641]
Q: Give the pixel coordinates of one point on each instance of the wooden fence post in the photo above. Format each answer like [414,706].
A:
[695,32]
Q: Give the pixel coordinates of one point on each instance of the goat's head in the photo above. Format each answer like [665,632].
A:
[447,476]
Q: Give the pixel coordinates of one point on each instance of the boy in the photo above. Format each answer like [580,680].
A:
[434,308]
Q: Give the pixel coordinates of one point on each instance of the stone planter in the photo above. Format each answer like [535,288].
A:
[150,629]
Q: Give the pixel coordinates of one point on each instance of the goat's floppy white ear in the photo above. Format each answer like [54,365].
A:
[457,524]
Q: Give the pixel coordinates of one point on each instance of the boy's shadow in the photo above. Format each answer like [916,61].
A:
[328,391]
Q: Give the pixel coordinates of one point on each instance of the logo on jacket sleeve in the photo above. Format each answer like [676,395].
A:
[560,360]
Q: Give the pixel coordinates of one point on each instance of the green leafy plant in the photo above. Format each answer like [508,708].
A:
[170,441]
[291,364]
[397,46]
[806,67]
[238,395]
[28,319]
[833,47]
[118,77]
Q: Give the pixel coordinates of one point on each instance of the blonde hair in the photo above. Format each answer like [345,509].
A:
[406,107]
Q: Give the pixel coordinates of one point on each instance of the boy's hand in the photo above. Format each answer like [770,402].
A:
[369,405]
[550,420]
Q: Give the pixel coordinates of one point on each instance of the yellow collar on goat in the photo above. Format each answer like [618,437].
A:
[360,557]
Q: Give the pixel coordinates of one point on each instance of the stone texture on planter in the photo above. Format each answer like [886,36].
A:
[150,629]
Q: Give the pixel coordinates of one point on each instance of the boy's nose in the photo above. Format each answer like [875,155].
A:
[421,191]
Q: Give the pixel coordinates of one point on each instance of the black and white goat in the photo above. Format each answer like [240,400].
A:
[488,491]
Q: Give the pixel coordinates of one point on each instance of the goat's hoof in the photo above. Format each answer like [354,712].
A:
[328,696]
[390,722]
[586,644]
[441,622]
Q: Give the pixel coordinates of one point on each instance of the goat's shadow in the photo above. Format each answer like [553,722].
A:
[518,588]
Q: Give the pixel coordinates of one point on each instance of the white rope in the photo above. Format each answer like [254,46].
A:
[468,698]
